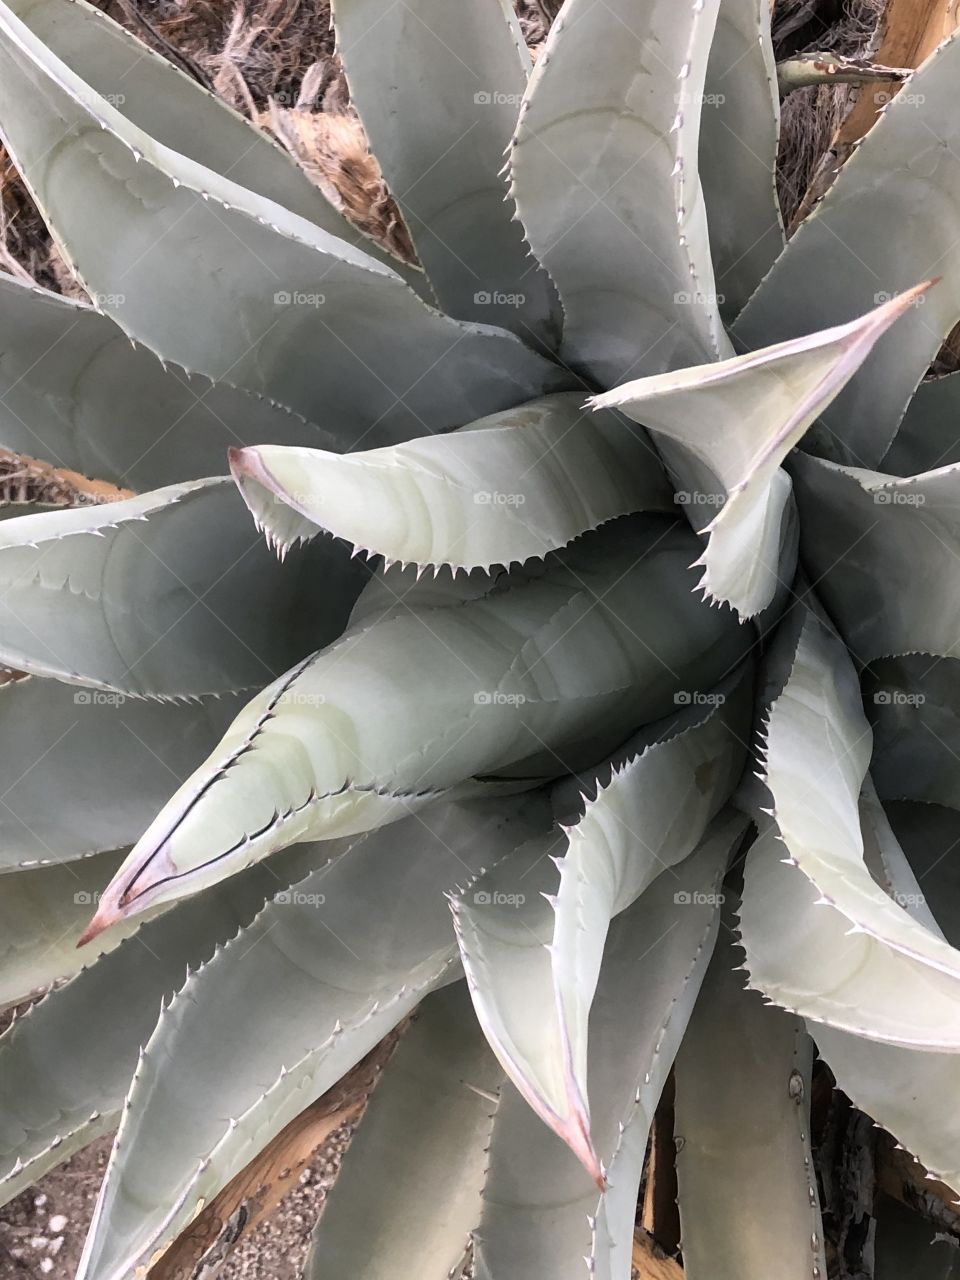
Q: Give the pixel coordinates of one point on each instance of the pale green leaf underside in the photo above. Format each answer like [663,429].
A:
[282,1012]
[230,284]
[802,954]
[170,594]
[511,487]
[538,1198]
[79,395]
[66,1065]
[408,1194]
[604,173]
[182,115]
[532,939]
[441,151]
[539,676]
[724,430]
[747,1190]
[817,752]
[739,130]
[649,817]
[853,521]
[909,1093]
[903,174]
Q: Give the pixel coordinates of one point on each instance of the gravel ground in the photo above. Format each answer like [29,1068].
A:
[42,1231]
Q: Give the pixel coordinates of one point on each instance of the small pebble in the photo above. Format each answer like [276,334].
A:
[38,1242]
[46,1265]
[39,1201]
[57,1222]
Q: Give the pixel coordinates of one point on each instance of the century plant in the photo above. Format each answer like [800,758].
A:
[573,571]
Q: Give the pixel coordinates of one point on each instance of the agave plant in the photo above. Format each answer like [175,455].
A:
[569,553]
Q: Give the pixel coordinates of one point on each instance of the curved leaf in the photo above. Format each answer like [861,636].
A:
[66,1064]
[531,679]
[172,107]
[725,428]
[233,285]
[78,394]
[913,703]
[802,954]
[441,152]
[42,914]
[538,1200]
[747,1191]
[170,594]
[907,1092]
[281,1012]
[530,938]
[885,555]
[902,175]
[739,132]
[83,771]
[508,488]
[818,748]
[927,836]
[408,1194]
[929,435]
[604,173]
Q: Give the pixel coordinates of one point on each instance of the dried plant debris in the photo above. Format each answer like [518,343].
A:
[810,117]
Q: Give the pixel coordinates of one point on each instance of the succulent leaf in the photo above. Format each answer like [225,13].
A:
[739,132]
[329,968]
[532,939]
[838,263]
[853,520]
[42,914]
[913,704]
[172,107]
[409,1191]
[929,435]
[65,1065]
[230,284]
[724,430]
[539,1200]
[508,488]
[442,152]
[83,772]
[535,677]
[817,750]
[152,596]
[747,1190]
[604,173]
[905,1091]
[802,954]
[79,395]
